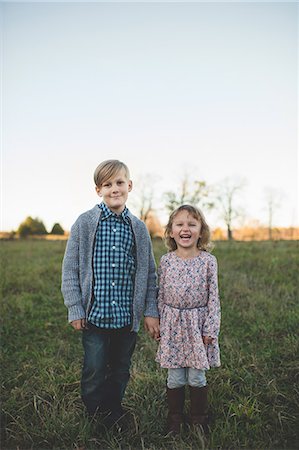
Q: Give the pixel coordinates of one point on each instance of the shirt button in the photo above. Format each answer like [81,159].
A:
[113,284]
[114,229]
[113,303]
[113,265]
[113,247]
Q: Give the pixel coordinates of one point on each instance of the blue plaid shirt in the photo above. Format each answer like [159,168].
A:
[114,270]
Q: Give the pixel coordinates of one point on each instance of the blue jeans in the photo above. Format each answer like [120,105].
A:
[185,375]
[106,367]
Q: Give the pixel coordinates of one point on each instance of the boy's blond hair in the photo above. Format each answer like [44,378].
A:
[108,169]
[204,242]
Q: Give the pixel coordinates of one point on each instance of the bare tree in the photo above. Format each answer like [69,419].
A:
[273,200]
[226,194]
[195,193]
[144,202]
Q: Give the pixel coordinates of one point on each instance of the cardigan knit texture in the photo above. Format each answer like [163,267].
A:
[77,269]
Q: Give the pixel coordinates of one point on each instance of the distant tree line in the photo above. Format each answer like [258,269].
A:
[32,226]
[224,197]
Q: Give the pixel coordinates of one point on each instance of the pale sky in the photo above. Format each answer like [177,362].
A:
[208,89]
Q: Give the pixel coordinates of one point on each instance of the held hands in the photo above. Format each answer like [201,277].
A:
[207,340]
[79,324]
[151,325]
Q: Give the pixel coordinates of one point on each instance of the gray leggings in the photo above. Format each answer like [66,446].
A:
[185,375]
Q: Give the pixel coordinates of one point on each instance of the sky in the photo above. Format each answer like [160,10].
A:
[203,90]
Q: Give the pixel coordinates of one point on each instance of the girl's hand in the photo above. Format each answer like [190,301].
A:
[79,324]
[207,340]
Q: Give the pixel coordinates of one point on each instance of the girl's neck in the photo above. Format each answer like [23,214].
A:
[187,253]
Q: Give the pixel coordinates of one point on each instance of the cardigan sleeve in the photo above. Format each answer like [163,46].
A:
[211,326]
[151,309]
[70,285]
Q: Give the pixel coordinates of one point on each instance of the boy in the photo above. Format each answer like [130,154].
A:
[108,281]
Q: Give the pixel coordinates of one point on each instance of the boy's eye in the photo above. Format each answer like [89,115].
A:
[120,182]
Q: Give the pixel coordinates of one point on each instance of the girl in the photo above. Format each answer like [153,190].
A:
[189,309]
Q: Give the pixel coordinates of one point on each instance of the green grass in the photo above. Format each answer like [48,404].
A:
[253,396]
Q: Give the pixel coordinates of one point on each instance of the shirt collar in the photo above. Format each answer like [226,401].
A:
[107,213]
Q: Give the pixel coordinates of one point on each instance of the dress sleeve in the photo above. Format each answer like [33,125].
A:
[212,323]
[161,278]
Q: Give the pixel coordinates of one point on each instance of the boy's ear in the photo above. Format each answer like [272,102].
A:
[98,191]
[130,185]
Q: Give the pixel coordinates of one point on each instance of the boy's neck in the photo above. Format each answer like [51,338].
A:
[117,212]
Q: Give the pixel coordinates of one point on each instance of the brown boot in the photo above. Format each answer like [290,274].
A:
[175,400]
[199,406]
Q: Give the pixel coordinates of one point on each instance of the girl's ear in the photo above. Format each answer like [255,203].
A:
[98,191]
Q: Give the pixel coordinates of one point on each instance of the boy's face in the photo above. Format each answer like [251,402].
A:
[115,191]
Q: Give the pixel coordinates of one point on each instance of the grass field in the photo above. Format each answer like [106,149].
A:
[253,396]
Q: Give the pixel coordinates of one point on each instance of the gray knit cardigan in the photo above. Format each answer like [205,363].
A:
[77,269]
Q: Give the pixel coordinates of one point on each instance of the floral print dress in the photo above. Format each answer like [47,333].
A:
[189,308]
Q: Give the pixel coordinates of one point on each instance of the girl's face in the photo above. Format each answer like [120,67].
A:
[185,230]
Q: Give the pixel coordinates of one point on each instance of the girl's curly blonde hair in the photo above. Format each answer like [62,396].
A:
[204,242]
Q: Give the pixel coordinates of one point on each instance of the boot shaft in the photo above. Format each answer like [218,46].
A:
[198,405]
[175,401]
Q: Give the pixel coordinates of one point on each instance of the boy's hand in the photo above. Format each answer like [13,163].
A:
[151,325]
[79,324]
